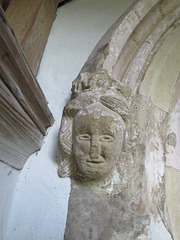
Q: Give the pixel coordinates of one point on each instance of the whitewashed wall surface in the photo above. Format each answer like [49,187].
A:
[34,201]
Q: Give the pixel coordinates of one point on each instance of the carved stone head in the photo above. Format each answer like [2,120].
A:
[92,132]
[97,140]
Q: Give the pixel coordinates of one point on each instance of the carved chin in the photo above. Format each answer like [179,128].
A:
[95,170]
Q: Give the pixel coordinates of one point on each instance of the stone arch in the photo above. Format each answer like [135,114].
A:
[127,52]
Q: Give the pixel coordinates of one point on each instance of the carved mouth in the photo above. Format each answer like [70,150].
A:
[95,161]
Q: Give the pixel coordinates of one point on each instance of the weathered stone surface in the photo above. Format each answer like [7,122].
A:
[131,201]
[172,170]
[95,214]
[172,135]
[97,140]
[172,178]
[92,129]
[105,160]
[162,74]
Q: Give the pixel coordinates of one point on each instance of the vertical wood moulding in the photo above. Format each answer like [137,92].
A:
[5,3]
[24,114]
[31,21]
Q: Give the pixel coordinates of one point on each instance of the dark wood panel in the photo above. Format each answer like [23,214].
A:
[15,70]
[31,21]
[24,114]
[19,136]
[5,3]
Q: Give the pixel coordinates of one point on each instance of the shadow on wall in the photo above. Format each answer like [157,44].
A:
[63,2]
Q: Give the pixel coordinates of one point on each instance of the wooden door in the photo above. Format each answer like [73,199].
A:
[24,113]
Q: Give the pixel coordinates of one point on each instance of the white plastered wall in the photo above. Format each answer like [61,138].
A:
[34,201]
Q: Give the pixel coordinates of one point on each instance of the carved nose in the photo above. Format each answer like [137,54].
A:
[94,148]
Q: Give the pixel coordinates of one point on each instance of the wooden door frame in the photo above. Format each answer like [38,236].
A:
[22,101]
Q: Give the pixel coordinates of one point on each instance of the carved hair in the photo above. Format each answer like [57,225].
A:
[107,95]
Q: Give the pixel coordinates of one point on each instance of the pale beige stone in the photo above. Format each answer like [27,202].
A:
[97,140]
[160,79]
[135,40]
[92,128]
[138,61]
[129,191]
[173,139]
[154,160]
[172,179]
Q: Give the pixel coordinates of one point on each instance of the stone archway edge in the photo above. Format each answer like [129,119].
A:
[126,50]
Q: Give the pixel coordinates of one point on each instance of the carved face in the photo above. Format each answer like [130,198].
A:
[97,140]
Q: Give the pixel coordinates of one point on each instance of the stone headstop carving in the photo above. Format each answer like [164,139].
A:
[93,128]
[135,202]
[103,150]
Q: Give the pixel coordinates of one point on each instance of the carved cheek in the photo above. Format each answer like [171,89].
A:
[83,146]
[109,150]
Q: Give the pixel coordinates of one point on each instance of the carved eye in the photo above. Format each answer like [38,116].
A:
[106,138]
[136,107]
[84,137]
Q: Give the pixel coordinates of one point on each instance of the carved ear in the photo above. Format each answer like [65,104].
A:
[67,164]
[65,135]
